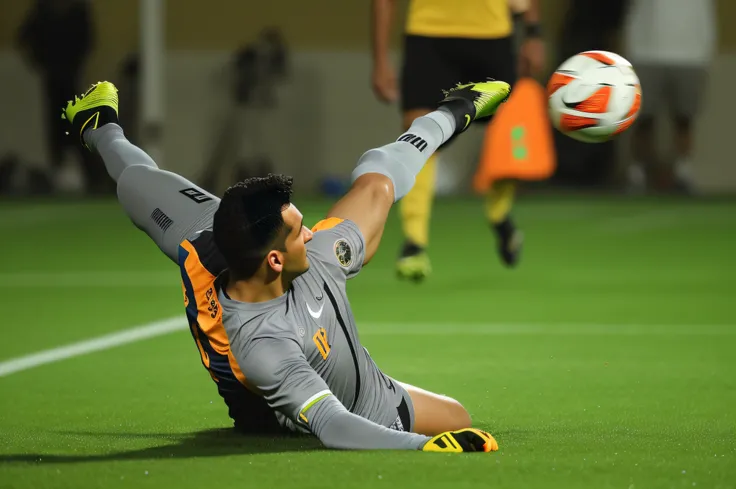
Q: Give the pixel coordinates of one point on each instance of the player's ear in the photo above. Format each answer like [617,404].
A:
[275,260]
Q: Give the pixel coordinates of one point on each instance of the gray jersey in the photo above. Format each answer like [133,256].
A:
[302,353]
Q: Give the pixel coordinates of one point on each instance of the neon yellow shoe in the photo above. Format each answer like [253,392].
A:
[474,101]
[95,108]
[413,264]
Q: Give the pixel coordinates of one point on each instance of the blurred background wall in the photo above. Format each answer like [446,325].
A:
[325,114]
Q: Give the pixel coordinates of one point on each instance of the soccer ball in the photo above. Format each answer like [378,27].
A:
[594,96]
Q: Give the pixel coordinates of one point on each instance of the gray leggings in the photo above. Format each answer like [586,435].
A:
[166,206]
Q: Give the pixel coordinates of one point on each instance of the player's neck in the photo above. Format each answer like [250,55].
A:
[256,289]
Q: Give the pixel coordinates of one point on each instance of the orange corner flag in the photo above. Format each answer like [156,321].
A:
[518,142]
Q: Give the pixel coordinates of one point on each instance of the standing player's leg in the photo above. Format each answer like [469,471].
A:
[688,86]
[415,211]
[496,58]
[425,73]
[164,205]
[498,204]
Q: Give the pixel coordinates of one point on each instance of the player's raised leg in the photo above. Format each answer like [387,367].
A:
[166,206]
[385,175]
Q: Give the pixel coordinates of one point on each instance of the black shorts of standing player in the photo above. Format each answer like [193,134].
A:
[435,63]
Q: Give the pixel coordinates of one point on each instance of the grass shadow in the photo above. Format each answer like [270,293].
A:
[207,443]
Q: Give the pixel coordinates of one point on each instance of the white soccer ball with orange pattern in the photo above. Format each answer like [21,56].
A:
[594,96]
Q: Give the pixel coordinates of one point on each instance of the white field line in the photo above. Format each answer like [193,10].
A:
[105,342]
[165,326]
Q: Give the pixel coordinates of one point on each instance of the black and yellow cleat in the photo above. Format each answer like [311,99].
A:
[413,263]
[460,441]
[95,108]
[474,101]
[510,241]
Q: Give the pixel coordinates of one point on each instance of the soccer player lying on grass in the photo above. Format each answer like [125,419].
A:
[266,296]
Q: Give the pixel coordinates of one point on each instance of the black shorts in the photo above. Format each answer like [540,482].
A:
[432,64]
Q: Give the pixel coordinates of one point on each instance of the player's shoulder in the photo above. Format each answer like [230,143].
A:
[338,242]
[247,322]
[202,250]
[336,225]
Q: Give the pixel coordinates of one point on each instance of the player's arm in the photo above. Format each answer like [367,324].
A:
[367,204]
[278,369]
[532,55]
[382,19]
[532,15]
[384,77]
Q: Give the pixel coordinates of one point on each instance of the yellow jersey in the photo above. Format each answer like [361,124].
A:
[476,19]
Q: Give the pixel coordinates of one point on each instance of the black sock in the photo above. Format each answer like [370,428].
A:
[411,249]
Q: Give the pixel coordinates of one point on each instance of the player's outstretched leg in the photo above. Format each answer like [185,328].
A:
[166,206]
[401,162]
[466,103]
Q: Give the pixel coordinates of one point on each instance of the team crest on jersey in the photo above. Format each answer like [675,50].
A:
[343,253]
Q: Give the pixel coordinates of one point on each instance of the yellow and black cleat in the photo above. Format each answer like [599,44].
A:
[465,440]
[93,109]
[413,263]
[416,267]
[474,101]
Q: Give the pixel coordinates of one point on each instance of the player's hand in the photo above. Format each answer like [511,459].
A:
[466,440]
[384,82]
[531,57]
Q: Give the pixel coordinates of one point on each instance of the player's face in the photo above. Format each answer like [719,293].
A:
[295,257]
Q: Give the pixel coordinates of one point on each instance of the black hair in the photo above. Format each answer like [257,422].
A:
[248,223]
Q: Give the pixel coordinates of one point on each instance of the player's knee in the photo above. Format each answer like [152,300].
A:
[379,167]
[458,416]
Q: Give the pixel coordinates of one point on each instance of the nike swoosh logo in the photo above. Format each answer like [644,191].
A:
[96,117]
[467,121]
[314,314]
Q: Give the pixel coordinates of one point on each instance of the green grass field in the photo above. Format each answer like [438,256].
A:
[606,360]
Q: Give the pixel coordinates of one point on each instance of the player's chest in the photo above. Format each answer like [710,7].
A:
[327,328]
